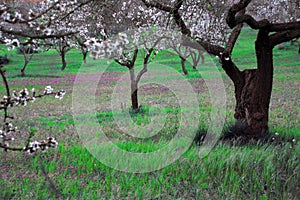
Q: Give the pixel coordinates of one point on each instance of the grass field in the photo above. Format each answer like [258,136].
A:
[254,171]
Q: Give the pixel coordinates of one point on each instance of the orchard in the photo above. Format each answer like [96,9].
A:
[210,107]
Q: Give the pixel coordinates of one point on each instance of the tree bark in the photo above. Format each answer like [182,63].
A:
[63,60]
[134,91]
[23,71]
[183,65]
[253,91]
[196,58]
[27,59]
[84,56]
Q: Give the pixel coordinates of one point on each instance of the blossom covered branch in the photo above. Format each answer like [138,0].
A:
[8,130]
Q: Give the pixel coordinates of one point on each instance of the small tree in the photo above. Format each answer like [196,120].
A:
[28,52]
[62,47]
[126,52]
[183,54]
[196,57]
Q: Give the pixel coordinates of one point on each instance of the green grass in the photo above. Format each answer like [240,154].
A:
[253,171]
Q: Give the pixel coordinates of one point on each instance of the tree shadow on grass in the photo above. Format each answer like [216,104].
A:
[235,135]
[36,76]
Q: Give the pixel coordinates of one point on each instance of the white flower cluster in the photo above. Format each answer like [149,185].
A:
[60,94]
[43,145]
[5,134]
[48,90]
[22,97]
[11,43]
[111,49]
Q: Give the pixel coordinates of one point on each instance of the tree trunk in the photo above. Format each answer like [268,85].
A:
[63,60]
[253,91]
[202,58]
[26,61]
[196,58]
[183,65]
[23,71]
[134,98]
[251,112]
[134,91]
[84,56]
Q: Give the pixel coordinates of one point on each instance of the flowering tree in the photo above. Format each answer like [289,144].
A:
[63,45]
[141,40]
[42,23]
[125,50]
[253,86]
[28,52]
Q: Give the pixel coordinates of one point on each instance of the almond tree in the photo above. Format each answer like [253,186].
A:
[252,86]
[125,50]
[40,23]
[28,52]
[140,40]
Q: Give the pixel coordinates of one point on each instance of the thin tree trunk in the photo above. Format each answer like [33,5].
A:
[134,91]
[183,65]
[23,71]
[26,61]
[202,58]
[84,56]
[63,60]
[196,58]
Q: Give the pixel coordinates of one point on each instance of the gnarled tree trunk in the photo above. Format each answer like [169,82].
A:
[253,90]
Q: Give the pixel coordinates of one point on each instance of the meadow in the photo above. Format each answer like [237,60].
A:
[229,171]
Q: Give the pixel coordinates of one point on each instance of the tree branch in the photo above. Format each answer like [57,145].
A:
[232,20]
[232,40]
[32,36]
[144,70]
[157,5]
[283,36]
[285,26]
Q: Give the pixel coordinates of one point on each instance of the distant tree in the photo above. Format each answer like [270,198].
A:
[27,51]
[40,23]
[62,47]
[196,57]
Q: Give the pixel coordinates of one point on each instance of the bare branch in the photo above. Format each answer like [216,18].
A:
[35,36]
[157,5]
[285,26]
[283,36]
